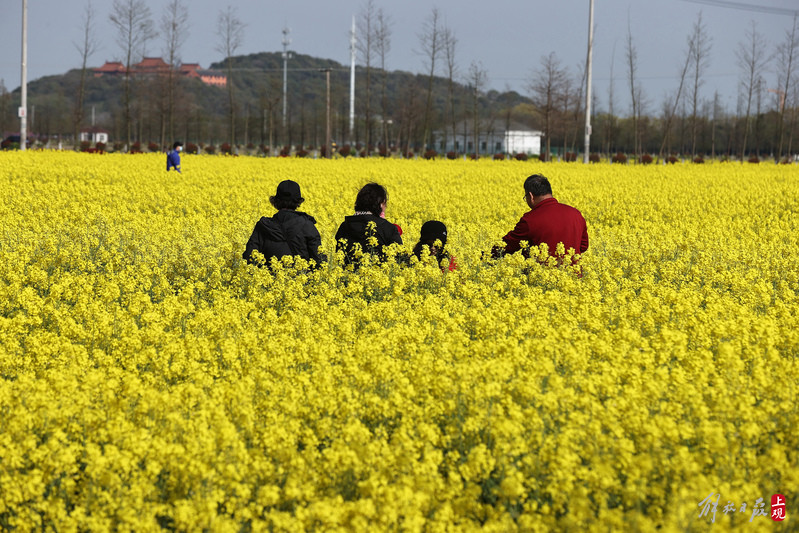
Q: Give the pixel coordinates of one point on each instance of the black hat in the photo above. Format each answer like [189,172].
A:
[289,190]
[434,230]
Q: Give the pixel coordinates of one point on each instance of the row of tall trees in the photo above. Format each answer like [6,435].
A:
[703,126]
[413,113]
[134,29]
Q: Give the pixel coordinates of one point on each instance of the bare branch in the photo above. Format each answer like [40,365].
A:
[230,31]
[174,29]
[699,44]
[430,43]
[382,47]
[752,58]
[86,49]
[547,89]
[134,26]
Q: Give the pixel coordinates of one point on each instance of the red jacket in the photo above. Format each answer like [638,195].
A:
[550,222]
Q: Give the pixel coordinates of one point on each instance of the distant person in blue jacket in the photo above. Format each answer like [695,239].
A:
[173,157]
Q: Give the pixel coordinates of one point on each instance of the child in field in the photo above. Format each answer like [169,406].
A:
[173,157]
[433,241]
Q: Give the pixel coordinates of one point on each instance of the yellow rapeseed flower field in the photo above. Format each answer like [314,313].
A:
[150,379]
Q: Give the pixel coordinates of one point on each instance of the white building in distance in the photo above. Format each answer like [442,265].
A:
[493,137]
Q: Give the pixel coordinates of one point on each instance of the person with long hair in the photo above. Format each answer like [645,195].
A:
[367,229]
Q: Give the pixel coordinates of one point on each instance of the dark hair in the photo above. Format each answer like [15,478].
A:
[178,143]
[433,230]
[285,203]
[538,185]
[370,198]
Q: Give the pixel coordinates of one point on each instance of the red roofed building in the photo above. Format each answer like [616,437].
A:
[151,65]
[110,67]
[157,66]
[190,69]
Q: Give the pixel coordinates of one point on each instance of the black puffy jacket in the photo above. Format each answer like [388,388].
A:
[354,230]
[288,232]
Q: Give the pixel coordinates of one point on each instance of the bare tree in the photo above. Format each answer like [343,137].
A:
[699,44]
[409,111]
[716,112]
[611,103]
[635,91]
[269,100]
[786,57]
[366,51]
[547,92]
[670,106]
[564,112]
[430,43]
[757,131]
[382,47]
[792,101]
[577,116]
[477,79]
[5,105]
[86,48]
[175,31]
[230,31]
[134,26]
[751,54]
[508,112]
[449,42]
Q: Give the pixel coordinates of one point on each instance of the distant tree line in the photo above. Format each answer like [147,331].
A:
[401,112]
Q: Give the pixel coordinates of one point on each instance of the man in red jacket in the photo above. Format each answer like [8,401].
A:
[547,221]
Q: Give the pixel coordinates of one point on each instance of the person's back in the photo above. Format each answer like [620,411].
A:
[357,232]
[552,222]
[286,233]
[289,232]
[367,230]
[548,221]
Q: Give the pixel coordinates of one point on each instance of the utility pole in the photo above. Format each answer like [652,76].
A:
[23,107]
[328,148]
[352,80]
[286,43]
[587,148]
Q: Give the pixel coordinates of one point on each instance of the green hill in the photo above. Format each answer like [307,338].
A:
[202,111]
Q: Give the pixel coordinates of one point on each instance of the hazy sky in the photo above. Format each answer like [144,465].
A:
[508,37]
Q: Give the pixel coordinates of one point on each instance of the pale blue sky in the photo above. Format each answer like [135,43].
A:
[508,37]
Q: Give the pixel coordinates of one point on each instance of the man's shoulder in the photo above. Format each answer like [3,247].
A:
[568,207]
[552,208]
[565,208]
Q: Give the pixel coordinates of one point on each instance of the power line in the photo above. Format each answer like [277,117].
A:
[747,7]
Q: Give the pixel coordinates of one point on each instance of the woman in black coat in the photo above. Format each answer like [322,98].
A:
[355,232]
